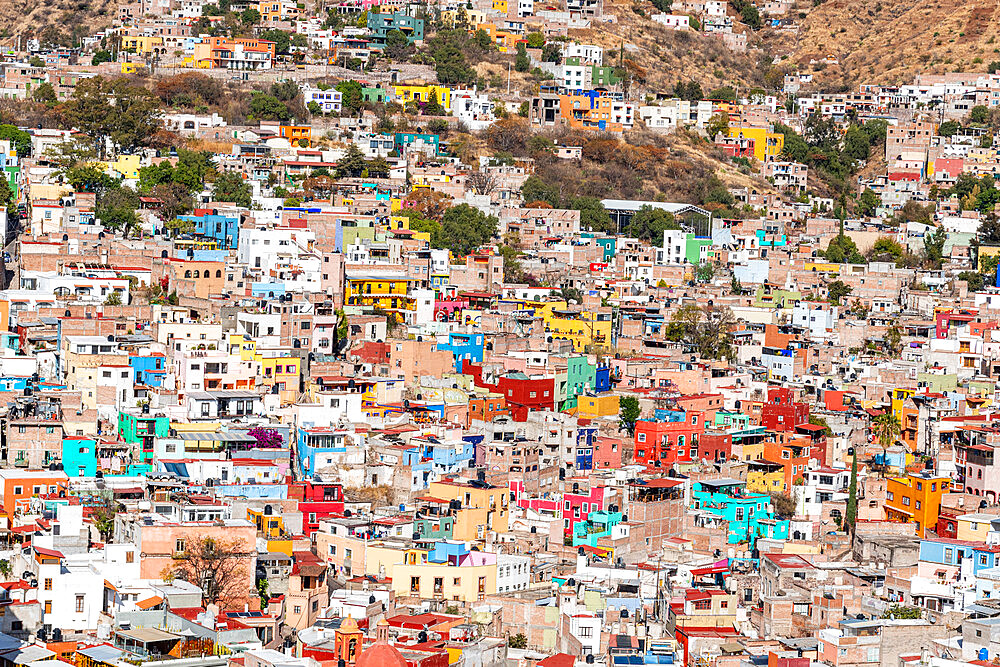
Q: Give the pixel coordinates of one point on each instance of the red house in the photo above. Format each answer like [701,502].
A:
[317,501]
[523,394]
[607,453]
[667,443]
[781,412]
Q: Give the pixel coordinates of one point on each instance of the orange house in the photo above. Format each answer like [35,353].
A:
[792,452]
[296,134]
[19,486]
[916,498]
[586,112]
[487,408]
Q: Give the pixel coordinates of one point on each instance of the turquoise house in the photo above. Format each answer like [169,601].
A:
[598,525]
[441,528]
[749,515]
[79,457]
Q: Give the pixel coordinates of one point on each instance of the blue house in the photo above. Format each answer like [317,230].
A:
[317,448]
[585,441]
[464,346]
[381,25]
[150,370]
[223,229]
[404,139]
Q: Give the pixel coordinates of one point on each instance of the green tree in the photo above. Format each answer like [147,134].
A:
[521,62]
[949,128]
[20,140]
[551,53]
[314,108]
[464,229]
[36,61]
[593,215]
[116,209]
[282,40]
[6,194]
[250,16]
[704,272]
[178,227]
[842,249]
[901,611]
[851,512]
[101,56]
[128,115]
[724,94]
[268,107]
[351,96]
[934,246]
[649,223]
[536,40]
[886,250]
[628,413]
[751,16]
[230,187]
[717,124]
[886,427]
[857,145]
[396,44]
[868,202]
[113,299]
[979,114]
[663,5]
[45,94]
[837,291]
[735,286]
[518,641]
[353,163]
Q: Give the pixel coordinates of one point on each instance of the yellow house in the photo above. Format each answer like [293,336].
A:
[390,294]
[822,267]
[973,527]
[986,251]
[452,17]
[142,44]
[766,477]
[583,328]
[500,6]
[131,68]
[491,500]
[126,165]
[279,368]
[592,407]
[405,94]
[443,581]
[506,41]
[897,399]
[766,144]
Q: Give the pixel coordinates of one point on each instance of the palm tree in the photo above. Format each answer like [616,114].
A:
[886,427]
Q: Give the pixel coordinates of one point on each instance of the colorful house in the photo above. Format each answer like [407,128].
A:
[747,515]
[767,144]
[916,498]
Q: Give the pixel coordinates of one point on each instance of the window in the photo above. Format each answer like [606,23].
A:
[297,610]
[79,604]
[48,583]
[129,556]
[414,584]
[703,604]
[48,606]
[315,606]
[948,555]
[179,546]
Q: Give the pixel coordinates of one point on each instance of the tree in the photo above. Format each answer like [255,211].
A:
[663,5]
[176,198]
[949,128]
[45,94]
[396,44]
[868,202]
[352,164]
[127,115]
[704,271]
[979,114]
[351,95]
[5,568]
[113,299]
[518,641]
[857,145]
[593,215]
[628,413]
[901,611]
[735,286]
[176,226]
[886,427]
[314,108]
[886,250]
[837,290]
[934,246]
[551,53]
[266,438]
[464,229]
[6,193]
[230,187]
[482,182]
[101,56]
[509,135]
[268,107]
[851,511]
[215,566]
[717,124]
[751,16]
[649,223]
[841,249]
[102,514]
[20,140]
[250,16]
[521,62]
[816,420]
[783,504]
[36,61]
[282,40]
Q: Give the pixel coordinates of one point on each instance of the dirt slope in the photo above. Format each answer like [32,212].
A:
[889,41]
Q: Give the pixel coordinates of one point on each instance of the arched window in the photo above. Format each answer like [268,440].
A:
[218,273]
[197,273]
[187,274]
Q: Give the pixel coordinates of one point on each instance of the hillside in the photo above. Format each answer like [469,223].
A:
[657,56]
[889,42]
[30,17]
